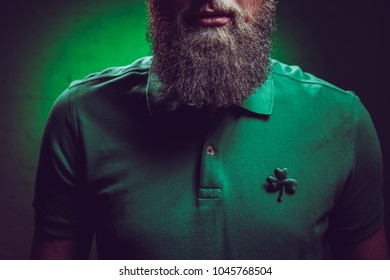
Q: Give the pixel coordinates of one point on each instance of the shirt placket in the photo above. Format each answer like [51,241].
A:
[211,185]
[213,179]
[210,192]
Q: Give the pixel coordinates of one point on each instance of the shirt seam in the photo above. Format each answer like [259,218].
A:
[323,84]
[106,77]
[72,116]
[355,122]
[374,225]
[75,133]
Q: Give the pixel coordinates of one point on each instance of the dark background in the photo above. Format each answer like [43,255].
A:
[46,44]
[346,43]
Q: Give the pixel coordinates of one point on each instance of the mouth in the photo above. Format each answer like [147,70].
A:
[214,18]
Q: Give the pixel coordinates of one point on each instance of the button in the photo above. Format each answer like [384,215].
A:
[210,150]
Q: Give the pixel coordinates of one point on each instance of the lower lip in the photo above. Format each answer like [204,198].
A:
[213,21]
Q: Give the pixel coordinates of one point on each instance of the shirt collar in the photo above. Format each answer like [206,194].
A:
[260,102]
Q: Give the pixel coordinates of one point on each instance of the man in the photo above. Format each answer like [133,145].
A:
[209,150]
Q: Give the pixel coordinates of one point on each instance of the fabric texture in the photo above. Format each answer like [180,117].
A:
[155,179]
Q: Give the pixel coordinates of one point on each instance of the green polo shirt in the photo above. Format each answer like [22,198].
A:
[274,178]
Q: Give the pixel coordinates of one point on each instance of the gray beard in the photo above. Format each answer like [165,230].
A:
[218,66]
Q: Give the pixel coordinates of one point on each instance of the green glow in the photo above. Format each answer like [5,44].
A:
[111,35]
[81,37]
[74,42]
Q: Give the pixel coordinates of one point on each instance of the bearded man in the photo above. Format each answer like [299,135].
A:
[209,150]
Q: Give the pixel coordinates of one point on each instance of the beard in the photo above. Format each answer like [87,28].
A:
[211,66]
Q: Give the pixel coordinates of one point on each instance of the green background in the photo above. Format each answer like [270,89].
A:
[47,44]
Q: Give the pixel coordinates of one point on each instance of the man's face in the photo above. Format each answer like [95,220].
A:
[211,52]
[206,13]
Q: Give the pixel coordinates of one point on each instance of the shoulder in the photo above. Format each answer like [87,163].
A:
[124,84]
[138,67]
[311,94]
[111,82]
[292,79]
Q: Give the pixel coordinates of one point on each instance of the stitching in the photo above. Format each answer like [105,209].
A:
[72,115]
[355,121]
[323,83]
[106,77]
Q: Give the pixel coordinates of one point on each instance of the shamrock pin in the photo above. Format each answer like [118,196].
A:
[281,183]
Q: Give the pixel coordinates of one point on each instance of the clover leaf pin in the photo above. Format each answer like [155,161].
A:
[281,183]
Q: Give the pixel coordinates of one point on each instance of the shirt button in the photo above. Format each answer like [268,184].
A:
[210,150]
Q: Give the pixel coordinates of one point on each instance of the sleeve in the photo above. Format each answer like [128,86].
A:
[58,198]
[359,212]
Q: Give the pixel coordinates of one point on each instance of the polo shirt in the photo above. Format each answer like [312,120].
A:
[294,167]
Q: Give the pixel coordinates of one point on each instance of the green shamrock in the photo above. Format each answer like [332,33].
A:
[281,183]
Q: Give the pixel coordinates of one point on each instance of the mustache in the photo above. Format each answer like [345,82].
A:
[218,7]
